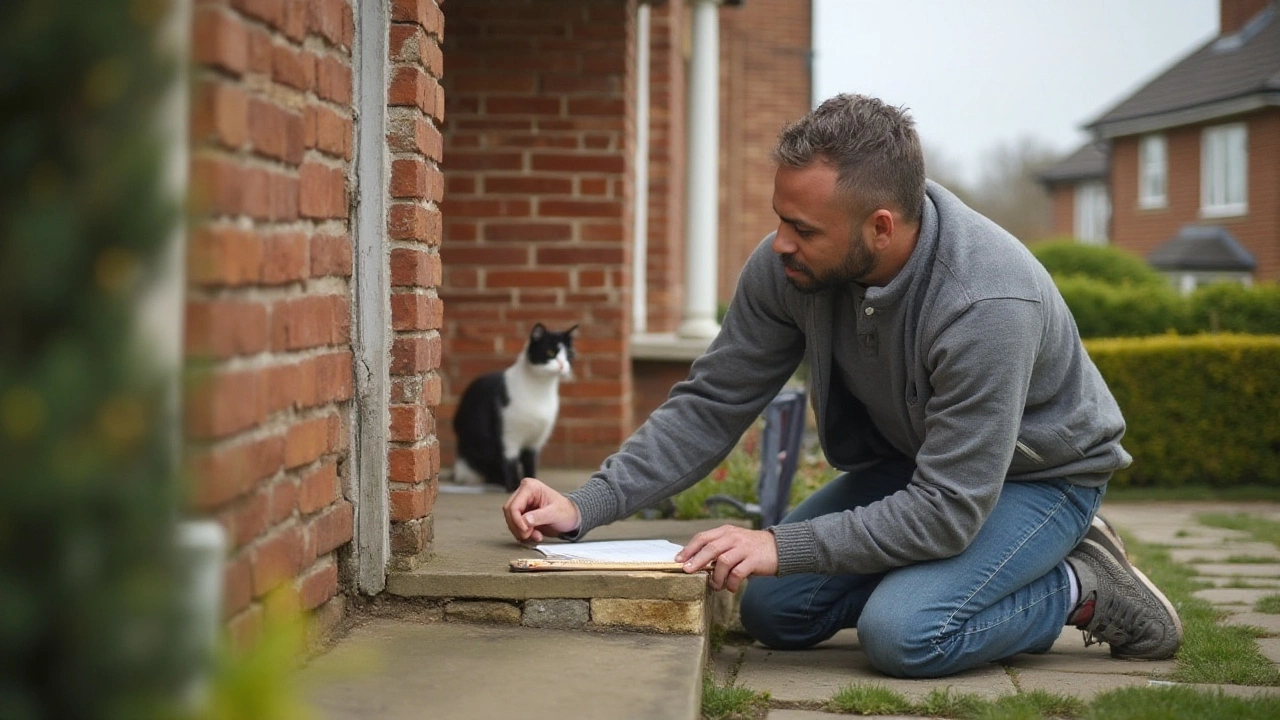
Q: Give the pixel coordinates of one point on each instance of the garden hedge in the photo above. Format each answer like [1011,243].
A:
[1201,410]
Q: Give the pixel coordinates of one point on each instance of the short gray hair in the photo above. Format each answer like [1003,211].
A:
[873,147]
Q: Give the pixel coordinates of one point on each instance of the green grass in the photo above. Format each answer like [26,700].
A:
[1268,604]
[1178,703]
[1251,560]
[869,699]
[1185,493]
[1260,528]
[731,702]
[1211,653]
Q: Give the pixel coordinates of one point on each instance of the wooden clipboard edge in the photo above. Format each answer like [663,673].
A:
[545,565]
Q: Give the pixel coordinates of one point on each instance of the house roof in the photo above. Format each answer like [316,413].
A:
[1227,75]
[1202,247]
[1086,163]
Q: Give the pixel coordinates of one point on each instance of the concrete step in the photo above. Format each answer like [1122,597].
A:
[394,669]
[468,577]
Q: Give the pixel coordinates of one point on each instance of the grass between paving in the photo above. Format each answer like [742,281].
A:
[1211,652]
[1268,604]
[1260,528]
[1142,703]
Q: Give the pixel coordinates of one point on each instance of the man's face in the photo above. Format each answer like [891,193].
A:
[819,243]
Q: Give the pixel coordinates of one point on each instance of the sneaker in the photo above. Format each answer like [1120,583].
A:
[1101,532]
[1121,607]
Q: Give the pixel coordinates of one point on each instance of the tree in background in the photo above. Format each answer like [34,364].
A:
[89,621]
[1008,192]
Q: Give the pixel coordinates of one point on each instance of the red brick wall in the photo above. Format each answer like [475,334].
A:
[416,100]
[1062,211]
[537,209]
[1140,230]
[664,261]
[765,50]
[269,295]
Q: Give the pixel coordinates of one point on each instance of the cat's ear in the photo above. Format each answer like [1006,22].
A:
[537,332]
[570,332]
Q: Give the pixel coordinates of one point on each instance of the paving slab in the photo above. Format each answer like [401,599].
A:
[1237,580]
[1221,552]
[397,670]
[1082,685]
[1246,570]
[819,715]
[816,674]
[1233,596]
[1267,622]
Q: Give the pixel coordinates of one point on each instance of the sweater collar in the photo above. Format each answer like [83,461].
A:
[916,264]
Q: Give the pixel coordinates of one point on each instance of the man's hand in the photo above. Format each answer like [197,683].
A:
[534,509]
[738,553]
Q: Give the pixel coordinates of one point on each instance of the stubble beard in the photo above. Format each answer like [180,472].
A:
[858,263]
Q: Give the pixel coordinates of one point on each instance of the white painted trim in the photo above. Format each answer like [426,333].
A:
[371,304]
[702,205]
[640,211]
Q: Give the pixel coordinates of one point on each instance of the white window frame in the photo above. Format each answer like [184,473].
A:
[1153,172]
[1092,212]
[1224,170]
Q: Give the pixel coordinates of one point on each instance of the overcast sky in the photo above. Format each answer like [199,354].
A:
[975,73]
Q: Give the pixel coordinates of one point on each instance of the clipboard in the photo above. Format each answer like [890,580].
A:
[553,565]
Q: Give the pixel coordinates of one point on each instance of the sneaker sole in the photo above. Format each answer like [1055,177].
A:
[1151,588]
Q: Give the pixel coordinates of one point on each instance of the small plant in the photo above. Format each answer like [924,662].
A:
[942,703]
[869,699]
[1250,560]
[730,702]
[1268,604]
[1164,703]
[1033,705]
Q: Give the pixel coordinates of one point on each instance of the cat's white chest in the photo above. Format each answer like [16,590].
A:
[530,415]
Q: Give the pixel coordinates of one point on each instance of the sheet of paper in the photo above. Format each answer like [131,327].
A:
[613,551]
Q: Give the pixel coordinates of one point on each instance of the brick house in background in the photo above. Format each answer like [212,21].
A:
[358,250]
[1193,157]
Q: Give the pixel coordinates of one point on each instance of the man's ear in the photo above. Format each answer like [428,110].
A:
[882,227]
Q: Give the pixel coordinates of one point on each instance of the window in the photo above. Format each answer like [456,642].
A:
[1093,212]
[1224,170]
[1152,172]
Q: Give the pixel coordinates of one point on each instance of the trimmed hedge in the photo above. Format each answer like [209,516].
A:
[1103,310]
[1228,307]
[1201,410]
[1065,258]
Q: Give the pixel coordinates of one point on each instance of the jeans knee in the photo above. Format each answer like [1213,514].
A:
[895,646]
[772,624]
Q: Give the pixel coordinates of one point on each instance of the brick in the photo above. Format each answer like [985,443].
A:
[528,231]
[330,256]
[414,311]
[409,178]
[411,221]
[580,256]
[219,40]
[261,48]
[220,114]
[248,519]
[244,630]
[282,500]
[527,278]
[275,132]
[322,191]
[328,131]
[410,538]
[318,585]
[490,160]
[306,441]
[333,80]
[409,464]
[275,560]
[528,105]
[237,585]
[409,504]
[268,11]
[558,162]
[310,322]
[486,255]
[217,185]
[602,232]
[226,472]
[334,377]
[318,489]
[327,19]
[580,208]
[413,355]
[431,390]
[529,184]
[292,385]
[285,258]
[409,131]
[408,423]
[223,328]
[293,67]
[488,208]
[331,529]
[482,611]
[223,255]
[224,402]
[295,19]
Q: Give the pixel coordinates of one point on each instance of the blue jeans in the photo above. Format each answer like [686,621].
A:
[1007,593]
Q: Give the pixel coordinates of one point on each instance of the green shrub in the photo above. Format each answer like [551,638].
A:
[1104,310]
[1200,410]
[1231,307]
[1067,258]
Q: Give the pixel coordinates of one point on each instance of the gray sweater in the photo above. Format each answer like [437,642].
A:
[975,368]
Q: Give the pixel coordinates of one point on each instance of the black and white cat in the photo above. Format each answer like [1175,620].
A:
[504,418]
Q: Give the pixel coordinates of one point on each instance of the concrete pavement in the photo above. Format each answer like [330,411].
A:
[428,665]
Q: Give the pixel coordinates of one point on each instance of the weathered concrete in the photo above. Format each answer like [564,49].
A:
[482,611]
[557,614]
[662,616]
[397,670]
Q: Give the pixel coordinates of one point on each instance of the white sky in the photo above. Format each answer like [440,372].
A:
[976,73]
